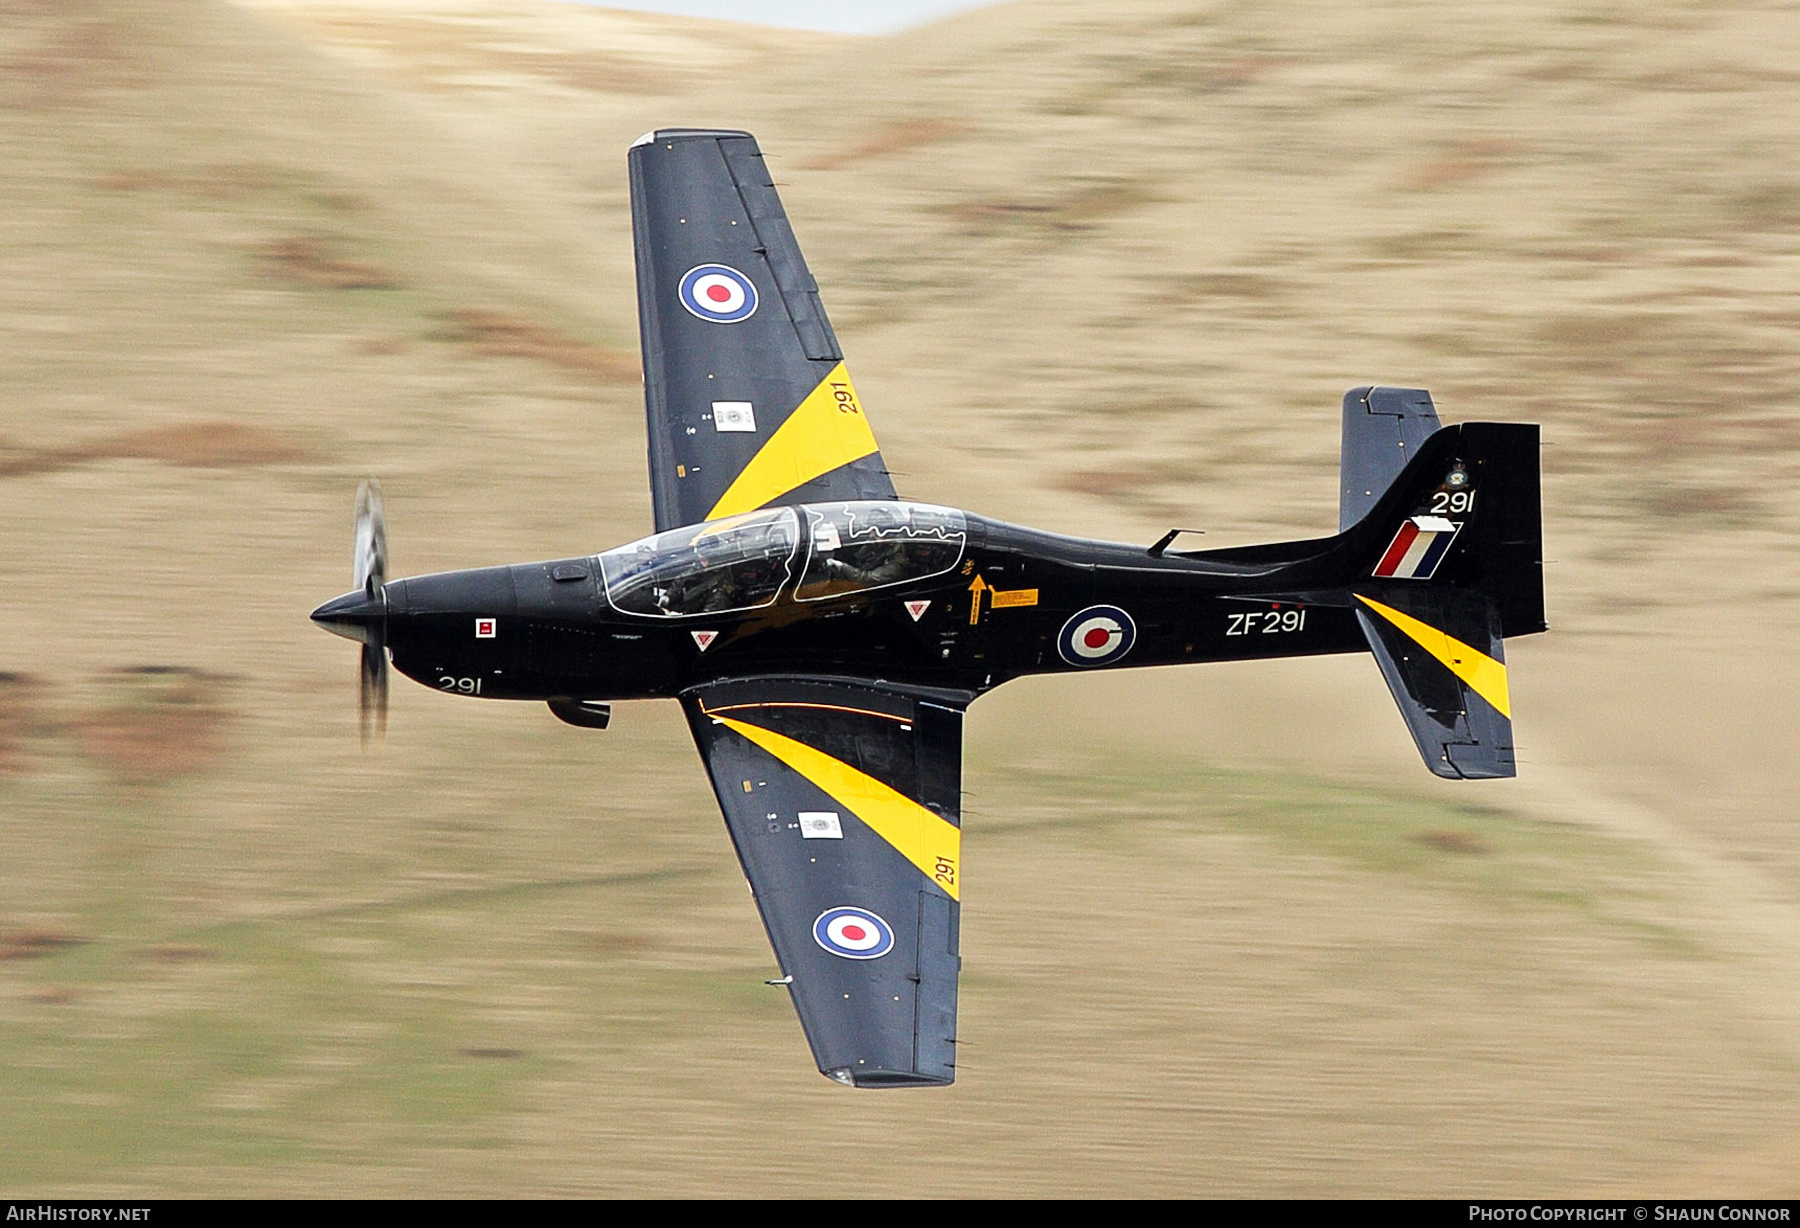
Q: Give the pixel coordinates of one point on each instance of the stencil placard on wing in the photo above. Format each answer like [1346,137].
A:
[821,825]
[733,416]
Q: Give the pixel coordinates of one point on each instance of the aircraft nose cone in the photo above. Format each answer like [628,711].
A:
[351,615]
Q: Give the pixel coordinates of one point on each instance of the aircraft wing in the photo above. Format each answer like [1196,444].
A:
[844,801]
[748,401]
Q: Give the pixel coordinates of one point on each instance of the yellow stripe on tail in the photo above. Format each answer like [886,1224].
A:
[1484,675]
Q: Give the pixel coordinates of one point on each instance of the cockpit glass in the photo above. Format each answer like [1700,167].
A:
[857,546]
[738,563]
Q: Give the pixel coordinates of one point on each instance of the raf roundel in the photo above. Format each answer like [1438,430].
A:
[719,293]
[1099,635]
[853,933]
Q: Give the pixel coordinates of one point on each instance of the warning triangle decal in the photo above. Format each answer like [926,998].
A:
[917,609]
[704,638]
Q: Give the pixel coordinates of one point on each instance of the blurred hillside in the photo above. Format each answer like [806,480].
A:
[1100,271]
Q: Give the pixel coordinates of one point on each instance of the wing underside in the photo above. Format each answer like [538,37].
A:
[843,800]
[747,398]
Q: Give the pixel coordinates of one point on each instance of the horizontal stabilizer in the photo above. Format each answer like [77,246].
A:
[1441,653]
[1383,430]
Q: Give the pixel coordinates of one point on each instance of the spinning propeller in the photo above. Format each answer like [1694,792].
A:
[362,615]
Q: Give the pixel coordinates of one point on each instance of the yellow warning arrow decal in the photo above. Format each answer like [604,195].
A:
[923,838]
[976,587]
[998,598]
[826,431]
[1485,676]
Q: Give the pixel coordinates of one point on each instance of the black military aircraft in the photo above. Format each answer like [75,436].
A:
[825,636]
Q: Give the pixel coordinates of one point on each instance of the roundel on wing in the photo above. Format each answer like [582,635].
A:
[1098,635]
[853,933]
[719,293]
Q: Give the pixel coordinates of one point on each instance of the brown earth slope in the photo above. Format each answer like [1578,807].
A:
[1096,270]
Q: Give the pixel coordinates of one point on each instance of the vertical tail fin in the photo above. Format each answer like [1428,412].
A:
[1384,428]
[1451,563]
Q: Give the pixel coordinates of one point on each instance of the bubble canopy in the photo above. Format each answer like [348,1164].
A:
[857,546]
[744,562]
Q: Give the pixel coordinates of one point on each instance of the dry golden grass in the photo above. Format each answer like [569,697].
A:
[20,718]
[309,261]
[1450,841]
[61,55]
[496,334]
[34,944]
[239,181]
[157,723]
[1102,482]
[1462,164]
[1083,209]
[895,136]
[204,445]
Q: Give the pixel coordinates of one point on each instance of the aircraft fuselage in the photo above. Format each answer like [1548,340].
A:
[1011,601]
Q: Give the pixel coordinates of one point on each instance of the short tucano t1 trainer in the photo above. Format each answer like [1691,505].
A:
[825,636]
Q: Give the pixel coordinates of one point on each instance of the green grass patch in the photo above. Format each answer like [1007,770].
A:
[1471,848]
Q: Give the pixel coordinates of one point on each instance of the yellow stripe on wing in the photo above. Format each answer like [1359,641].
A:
[923,838]
[826,431]
[1485,676]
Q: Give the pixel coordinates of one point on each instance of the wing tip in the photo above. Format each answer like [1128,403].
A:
[850,1077]
[690,134]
